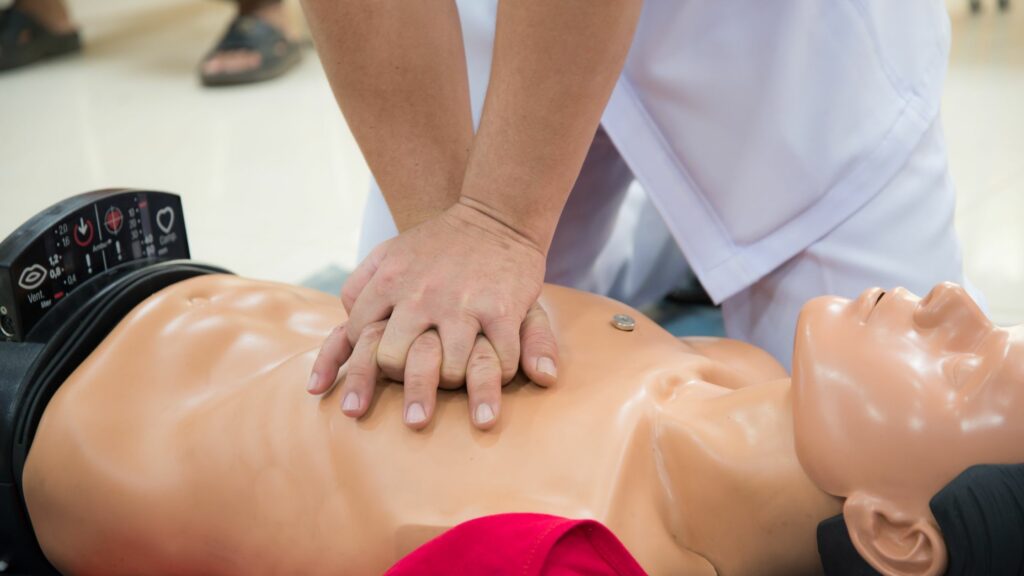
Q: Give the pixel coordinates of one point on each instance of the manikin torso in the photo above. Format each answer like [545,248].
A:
[187,444]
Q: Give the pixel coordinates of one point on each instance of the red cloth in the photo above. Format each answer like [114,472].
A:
[521,545]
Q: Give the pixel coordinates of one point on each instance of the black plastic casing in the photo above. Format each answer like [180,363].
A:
[38,361]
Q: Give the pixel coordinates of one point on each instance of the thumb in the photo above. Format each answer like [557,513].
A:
[362,275]
[539,358]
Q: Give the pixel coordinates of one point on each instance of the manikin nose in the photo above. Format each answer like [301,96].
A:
[950,304]
[943,300]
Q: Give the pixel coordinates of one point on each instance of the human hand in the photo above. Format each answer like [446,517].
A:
[456,276]
[483,372]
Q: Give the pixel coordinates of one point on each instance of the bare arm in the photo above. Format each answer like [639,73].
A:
[398,72]
[478,266]
[555,64]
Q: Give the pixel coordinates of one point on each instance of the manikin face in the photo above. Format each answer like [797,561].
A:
[895,395]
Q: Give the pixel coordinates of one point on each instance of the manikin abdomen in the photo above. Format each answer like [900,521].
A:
[187,444]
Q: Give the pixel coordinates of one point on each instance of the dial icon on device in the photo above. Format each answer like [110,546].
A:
[32,277]
[113,220]
[83,232]
[165,219]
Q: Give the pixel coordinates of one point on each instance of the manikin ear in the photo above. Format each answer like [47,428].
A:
[893,542]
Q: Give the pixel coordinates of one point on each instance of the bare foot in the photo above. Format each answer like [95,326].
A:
[237,61]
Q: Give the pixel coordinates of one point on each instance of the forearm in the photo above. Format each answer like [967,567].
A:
[555,64]
[398,72]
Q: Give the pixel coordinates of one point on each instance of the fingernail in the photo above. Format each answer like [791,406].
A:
[414,414]
[351,403]
[546,365]
[313,381]
[484,414]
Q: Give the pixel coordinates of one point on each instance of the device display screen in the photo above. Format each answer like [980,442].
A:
[113,230]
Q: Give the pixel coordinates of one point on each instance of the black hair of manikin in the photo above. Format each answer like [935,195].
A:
[980,513]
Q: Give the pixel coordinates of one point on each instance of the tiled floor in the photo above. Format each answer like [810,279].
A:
[273,183]
[271,179]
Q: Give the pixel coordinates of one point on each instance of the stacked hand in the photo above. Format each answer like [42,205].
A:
[448,303]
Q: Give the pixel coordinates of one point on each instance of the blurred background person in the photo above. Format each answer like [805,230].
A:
[259,43]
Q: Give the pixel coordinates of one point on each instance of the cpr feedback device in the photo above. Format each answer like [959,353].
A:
[61,249]
[67,277]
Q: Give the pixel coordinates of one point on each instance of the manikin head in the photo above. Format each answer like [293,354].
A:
[894,396]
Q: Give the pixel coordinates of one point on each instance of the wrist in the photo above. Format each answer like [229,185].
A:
[520,189]
[472,212]
[406,219]
[413,205]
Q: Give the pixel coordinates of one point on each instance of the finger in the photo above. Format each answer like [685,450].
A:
[457,339]
[503,334]
[361,374]
[361,276]
[333,353]
[483,384]
[403,328]
[372,306]
[540,350]
[422,374]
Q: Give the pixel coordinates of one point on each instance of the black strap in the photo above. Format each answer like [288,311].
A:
[981,514]
[838,556]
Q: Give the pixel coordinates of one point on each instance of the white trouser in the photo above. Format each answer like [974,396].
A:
[610,240]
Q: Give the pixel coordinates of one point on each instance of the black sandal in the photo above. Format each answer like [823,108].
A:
[23,40]
[277,53]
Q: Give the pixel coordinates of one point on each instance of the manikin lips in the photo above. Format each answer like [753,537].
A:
[875,305]
[872,307]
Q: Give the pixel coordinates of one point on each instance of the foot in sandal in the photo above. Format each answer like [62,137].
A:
[258,45]
[34,30]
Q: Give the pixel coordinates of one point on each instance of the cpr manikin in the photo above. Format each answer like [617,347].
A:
[187,444]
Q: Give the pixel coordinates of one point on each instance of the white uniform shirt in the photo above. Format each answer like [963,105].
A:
[755,126]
